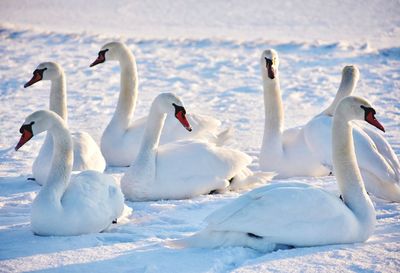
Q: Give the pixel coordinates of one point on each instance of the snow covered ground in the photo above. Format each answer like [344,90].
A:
[208,54]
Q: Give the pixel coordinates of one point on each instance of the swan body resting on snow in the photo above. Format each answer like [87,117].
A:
[182,169]
[285,215]
[86,203]
[379,165]
[119,142]
[87,155]
[285,153]
[306,150]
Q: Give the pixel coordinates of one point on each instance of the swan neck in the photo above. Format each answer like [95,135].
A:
[151,136]
[146,158]
[274,115]
[61,163]
[346,169]
[346,88]
[58,96]
[128,90]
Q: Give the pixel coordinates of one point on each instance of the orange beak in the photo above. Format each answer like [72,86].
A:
[182,119]
[36,77]
[26,136]
[370,118]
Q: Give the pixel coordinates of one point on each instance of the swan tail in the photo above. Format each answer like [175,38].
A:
[213,239]
[247,179]
[224,136]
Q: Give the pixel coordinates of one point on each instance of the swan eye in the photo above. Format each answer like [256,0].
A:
[39,71]
[26,127]
[368,111]
[102,53]
[369,116]
[179,109]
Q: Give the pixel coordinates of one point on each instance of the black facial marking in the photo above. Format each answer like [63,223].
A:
[179,109]
[252,235]
[101,58]
[27,127]
[368,110]
[40,72]
[268,62]
[103,52]
[270,69]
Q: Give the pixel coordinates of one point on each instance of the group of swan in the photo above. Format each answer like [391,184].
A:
[307,150]
[87,155]
[295,214]
[177,169]
[119,143]
[174,155]
[88,202]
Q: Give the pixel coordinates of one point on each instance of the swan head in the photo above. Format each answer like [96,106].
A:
[357,108]
[351,72]
[171,104]
[269,63]
[45,71]
[110,52]
[35,124]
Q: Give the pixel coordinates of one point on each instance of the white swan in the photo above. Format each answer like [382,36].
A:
[87,155]
[186,168]
[376,159]
[86,203]
[287,154]
[119,142]
[306,150]
[283,215]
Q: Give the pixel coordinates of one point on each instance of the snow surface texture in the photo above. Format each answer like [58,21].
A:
[214,76]
[374,20]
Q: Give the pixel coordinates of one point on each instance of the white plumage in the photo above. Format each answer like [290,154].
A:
[295,214]
[121,139]
[186,168]
[85,203]
[87,154]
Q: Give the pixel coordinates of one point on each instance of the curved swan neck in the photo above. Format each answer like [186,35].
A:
[128,93]
[346,88]
[152,133]
[346,169]
[58,96]
[61,164]
[274,115]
